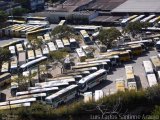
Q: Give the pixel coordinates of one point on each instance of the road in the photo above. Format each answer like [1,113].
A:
[109,84]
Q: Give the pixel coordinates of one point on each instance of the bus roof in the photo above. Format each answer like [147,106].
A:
[85,79]
[61,91]
[151,79]
[155,60]
[148,67]
[80,52]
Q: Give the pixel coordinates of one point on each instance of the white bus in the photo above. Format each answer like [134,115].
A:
[45,50]
[51,46]
[97,61]
[37,18]
[98,95]
[12,50]
[62,22]
[62,96]
[137,18]
[90,69]
[155,62]
[38,90]
[85,37]
[47,37]
[81,54]
[32,63]
[38,53]
[59,44]
[154,20]
[5,67]
[120,84]
[126,20]
[92,80]
[130,78]
[12,43]
[39,96]
[13,64]
[146,19]
[148,67]
[7,106]
[30,55]
[18,101]
[70,80]
[19,47]
[89,28]
[151,80]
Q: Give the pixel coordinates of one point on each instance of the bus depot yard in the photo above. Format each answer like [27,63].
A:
[89,68]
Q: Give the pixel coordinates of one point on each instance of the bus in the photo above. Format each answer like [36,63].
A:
[38,31]
[148,67]
[97,61]
[137,18]
[136,49]
[17,101]
[130,78]
[120,84]
[155,62]
[47,37]
[62,22]
[69,79]
[73,43]
[48,91]
[7,106]
[89,28]
[13,64]
[90,69]
[147,43]
[92,80]
[5,79]
[32,63]
[59,44]
[39,96]
[85,37]
[113,59]
[146,19]
[126,20]
[88,96]
[98,95]
[37,18]
[12,43]
[45,50]
[38,53]
[83,73]
[66,43]
[88,51]
[30,55]
[81,54]
[151,80]
[51,46]
[21,58]
[154,20]
[19,47]
[62,96]
[5,67]
[12,50]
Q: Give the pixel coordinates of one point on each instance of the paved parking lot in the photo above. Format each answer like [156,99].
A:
[109,84]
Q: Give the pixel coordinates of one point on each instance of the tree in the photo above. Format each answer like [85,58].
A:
[4,54]
[3,18]
[135,27]
[108,36]
[19,11]
[58,56]
[63,31]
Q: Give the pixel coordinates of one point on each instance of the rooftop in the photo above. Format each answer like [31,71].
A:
[139,6]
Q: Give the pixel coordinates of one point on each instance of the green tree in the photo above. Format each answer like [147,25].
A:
[135,27]
[63,31]
[4,54]
[19,11]
[108,36]
[58,56]
[3,18]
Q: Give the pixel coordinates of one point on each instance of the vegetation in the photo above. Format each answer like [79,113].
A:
[135,27]
[108,36]
[4,54]
[63,31]
[119,104]
[19,11]
[3,18]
